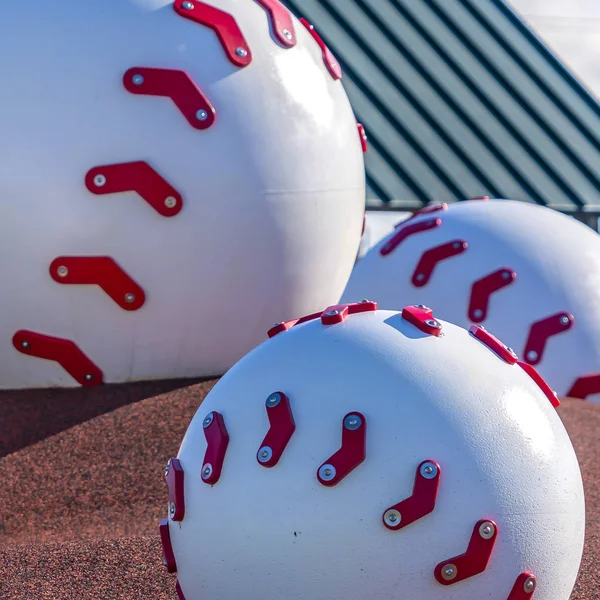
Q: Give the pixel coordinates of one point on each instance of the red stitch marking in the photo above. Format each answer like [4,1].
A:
[480,198]
[430,208]
[174,477]
[330,61]
[404,231]
[177,85]
[179,591]
[540,331]
[524,587]
[432,257]
[493,343]
[364,224]
[281,22]
[286,325]
[340,312]
[137,177]
[65,352]
[585,386]
[351,454]
[102,271]
[550,394]
[422,501]
[475,560]
[422,318]
[217,439]
[484,288]
[167,548]
[282,427]
[223,24]
[363,138]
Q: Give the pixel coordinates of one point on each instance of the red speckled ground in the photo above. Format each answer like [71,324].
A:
[82,489]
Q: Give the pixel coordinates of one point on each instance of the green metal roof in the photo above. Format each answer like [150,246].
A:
[459,99]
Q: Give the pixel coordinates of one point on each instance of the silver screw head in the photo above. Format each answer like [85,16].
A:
[422,306]
[433,323]
[89,377]
[130,298]
[265,454]
[478,313]
[420,277]
[172,509]
[170,202]
[449,572]
[208,420]
[428,470]
[137,79]
[506,275]
[392,517]
[327,472]
[99,180]
[207,471]
[565,320]
[241,52]
[187,5]
[532,355]
[287,34]
[201,115]
[332,313]
[529,584]
[352,422]
[456,245]
[25,344]
[487,530]
[273,400]
[62,271]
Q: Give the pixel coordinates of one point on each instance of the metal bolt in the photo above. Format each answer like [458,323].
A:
[207,471]
[532,355]
[172,509]
[327,472]
[137,79]
[421,306]
[506,275]
[433,323]
[62,271]
[241,52]
[265,454]
[170,202]
[456,245]
[208,420]
[392,517]
[273,400]
[187,5]
[89,377]
[420,277]
[130,298]
[332,313]
[352,422]
[25,345]
[565,320]
[449,572]
[287,34]
[201,115]
[428,470]
[487,530]
[529,585]
[478,313]
[99,180]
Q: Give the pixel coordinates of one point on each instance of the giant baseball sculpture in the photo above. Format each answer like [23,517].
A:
[363,453]
[526,272]
[175,178]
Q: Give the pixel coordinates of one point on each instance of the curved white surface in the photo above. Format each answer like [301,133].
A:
[273,193]
[279,533]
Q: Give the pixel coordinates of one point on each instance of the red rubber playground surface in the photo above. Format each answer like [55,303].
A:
[83,491]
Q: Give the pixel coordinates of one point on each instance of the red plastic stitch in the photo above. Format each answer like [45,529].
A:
[484,288]
[432,257]
[340,312]
[493,343]
[402,232]
[585,386]
[422,501]
[540,331]
[524,587]
[480,198]
[218,440]
[102,271]
[429,209]
[167,548]
[137,177]
[179,591]
[422,318]
[350,455]
[65,352]
[281,21]
[282,427]
[174,477]
[177,85]
[550,394]
[475,560]
[363,137]
[330,61]
[285,326]
[223,24]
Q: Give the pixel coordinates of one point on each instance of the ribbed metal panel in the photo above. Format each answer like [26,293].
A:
[460,99]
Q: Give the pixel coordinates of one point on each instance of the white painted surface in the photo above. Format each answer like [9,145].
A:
[278,533]
[273,193]
[378,224]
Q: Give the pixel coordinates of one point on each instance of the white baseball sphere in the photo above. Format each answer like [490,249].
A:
[175,178]
[361,454]
[526,272]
